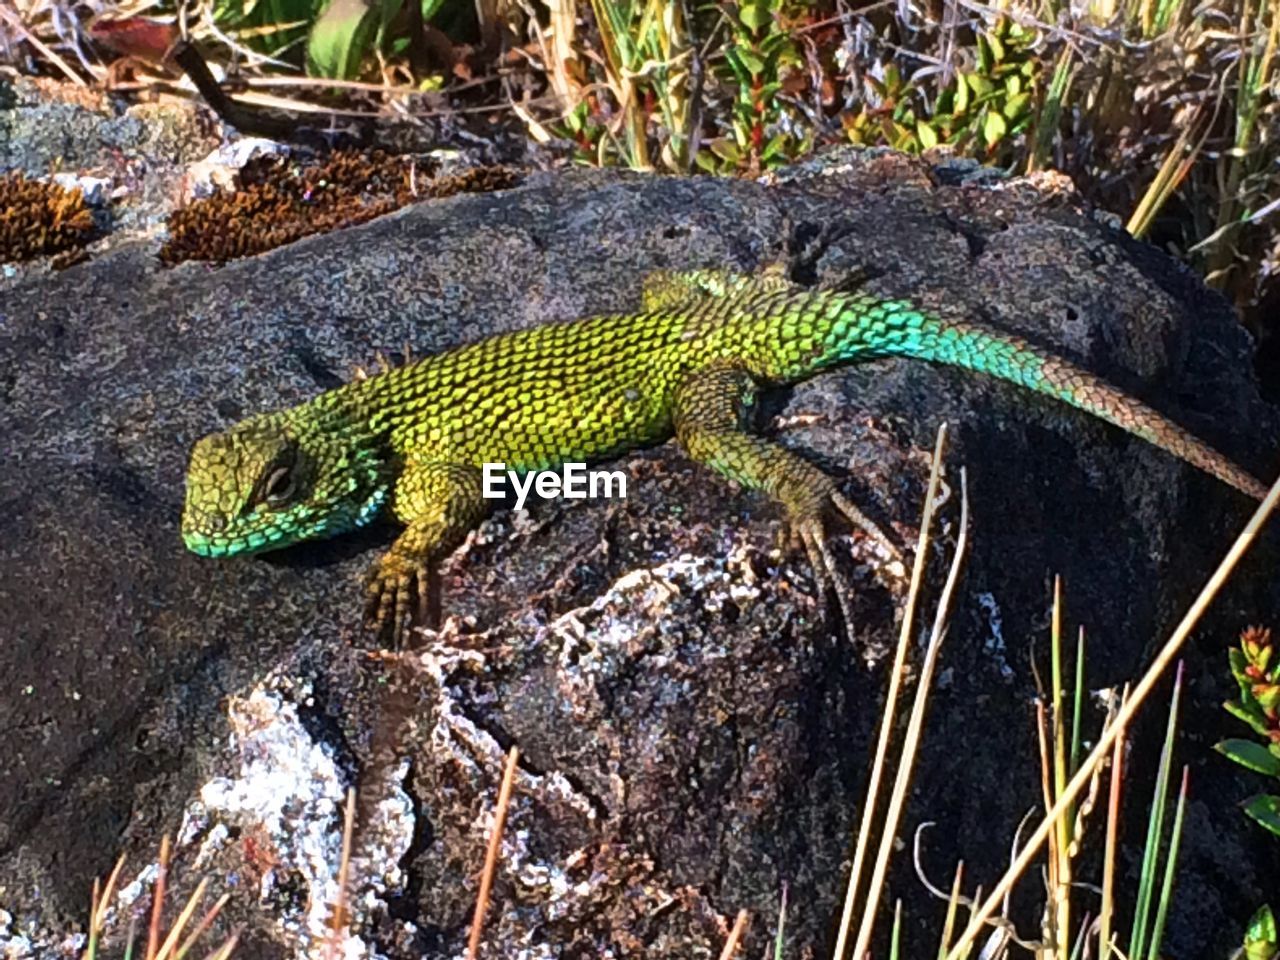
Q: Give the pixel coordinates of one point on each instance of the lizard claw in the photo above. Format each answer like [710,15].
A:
[397,597]
[811,532]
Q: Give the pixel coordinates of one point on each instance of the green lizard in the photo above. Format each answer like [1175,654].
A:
[411,441]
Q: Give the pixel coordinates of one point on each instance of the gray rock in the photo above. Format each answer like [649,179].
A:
[693,734]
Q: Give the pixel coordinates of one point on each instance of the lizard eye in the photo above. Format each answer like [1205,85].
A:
[279,486]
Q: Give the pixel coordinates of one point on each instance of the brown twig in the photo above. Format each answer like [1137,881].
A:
[491,856]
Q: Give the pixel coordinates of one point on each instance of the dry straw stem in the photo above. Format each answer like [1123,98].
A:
[1109,852]
[915,727]
[491,855]
[735,935]
[891,697]
[1109,737]
[338,919]
[43,49]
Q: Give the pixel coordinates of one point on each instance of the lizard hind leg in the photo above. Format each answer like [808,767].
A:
[439,502]
[710,412]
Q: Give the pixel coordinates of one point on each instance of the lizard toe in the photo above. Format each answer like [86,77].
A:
[396,598]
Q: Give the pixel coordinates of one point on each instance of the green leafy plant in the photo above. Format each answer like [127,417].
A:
[1256,668]
[984,110]
[760,57]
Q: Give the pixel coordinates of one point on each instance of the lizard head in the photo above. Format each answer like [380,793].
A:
[269,482]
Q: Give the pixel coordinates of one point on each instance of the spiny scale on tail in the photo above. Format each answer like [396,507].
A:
[412,441]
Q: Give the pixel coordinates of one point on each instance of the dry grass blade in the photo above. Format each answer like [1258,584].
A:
[562,16]
[915,727]
[338,921]
[98,907]
[193,901]
[735,935]
[1177,164]
[205,922]
[42,48]
[157,899]
[891,697]
[1109,851]
[1082,777]
[491,855]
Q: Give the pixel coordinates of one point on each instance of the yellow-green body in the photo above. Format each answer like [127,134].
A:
[413,440]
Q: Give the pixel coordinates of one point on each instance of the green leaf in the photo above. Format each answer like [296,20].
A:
[755,16]
[1253,756]
[962,94]
[1260,937]
[753,64]
[1268,695]
[1239,663]
[981,85]
[340,38]
[997,48]
[768,91]
[1252,717]
[1266,811]
[707,161]
[725,149]
[1016,107]
[993,129]
[985,60]
[927,136]
[775,147]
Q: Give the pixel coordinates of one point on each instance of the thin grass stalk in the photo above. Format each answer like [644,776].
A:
[1173,170]
[735,935]
[911,741]
[205,922]
[559,53]
[338,919]
[491,854]
[891,697]
[1109,849]
[1166,889]
[1046,776]
[895,936]
[224,952]
[1167,12]
[1061,858]
[1046,132]
[1078,705]
[953,905]
[1250,92]
[672,81]
[780,938]
[1155,829]
[1140,693]
[91,950]
[98,907]
[613,23]
[184,917]
[157,899]
[1082,938]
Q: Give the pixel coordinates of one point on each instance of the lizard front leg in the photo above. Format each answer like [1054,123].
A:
[439,503]
[710,413]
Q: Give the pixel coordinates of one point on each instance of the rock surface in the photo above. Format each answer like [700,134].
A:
[693,735]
